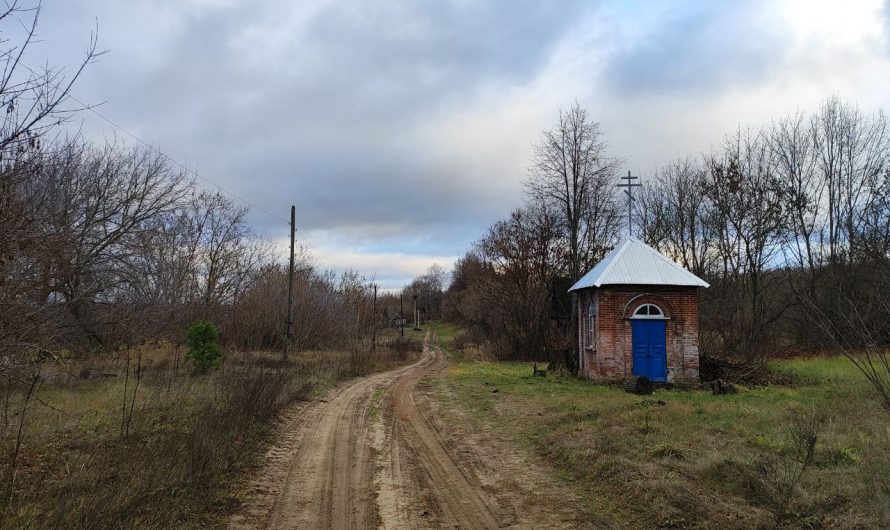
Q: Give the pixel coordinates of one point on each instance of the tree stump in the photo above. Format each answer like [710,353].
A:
[719,387]
[639,385]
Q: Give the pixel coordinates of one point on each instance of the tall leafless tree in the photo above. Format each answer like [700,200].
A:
[674,214]
[573,172]
[748,220]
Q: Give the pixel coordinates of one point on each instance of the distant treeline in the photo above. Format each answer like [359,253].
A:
[110,246]
[789,222]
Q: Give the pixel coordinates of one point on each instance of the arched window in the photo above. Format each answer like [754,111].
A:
[648,311]
[591,326]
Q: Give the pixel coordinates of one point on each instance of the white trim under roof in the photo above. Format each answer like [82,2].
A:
[636,263]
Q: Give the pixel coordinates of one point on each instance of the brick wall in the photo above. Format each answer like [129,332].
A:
[612,356]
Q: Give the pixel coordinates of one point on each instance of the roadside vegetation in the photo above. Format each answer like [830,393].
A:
[113,257]
[164,447]
[142,323]
[686,458]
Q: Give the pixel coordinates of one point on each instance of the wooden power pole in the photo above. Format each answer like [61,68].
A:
[416,328]
[374,323]
[401,314]
[289,331]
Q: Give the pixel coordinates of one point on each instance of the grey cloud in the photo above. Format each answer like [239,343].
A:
[332,110]
[324,121]
[434,44]
[366,192]
[701,47]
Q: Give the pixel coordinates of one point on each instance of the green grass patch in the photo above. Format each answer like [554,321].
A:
[446,332]
[376,398]
[687,458]
[818,370]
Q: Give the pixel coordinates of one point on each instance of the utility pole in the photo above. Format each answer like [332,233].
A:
[628,186]
[374,323]
[401,314]
[289,331]
[416,328]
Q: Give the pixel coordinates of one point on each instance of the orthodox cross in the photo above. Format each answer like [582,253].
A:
[629,186]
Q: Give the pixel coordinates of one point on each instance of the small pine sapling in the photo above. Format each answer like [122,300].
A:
[203,343]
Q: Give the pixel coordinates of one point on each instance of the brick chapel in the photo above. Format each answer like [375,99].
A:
[638,316]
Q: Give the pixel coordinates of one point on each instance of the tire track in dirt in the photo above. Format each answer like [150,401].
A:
[329,484]
[454,499]
[372,456]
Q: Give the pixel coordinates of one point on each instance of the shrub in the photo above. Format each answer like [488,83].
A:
[203,343]
[400,348]
[773,479]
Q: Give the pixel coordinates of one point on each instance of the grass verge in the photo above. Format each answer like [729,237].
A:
[157,448]
[445,332]
[688,459]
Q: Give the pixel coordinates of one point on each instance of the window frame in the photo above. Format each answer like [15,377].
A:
[590,323]
[640,315]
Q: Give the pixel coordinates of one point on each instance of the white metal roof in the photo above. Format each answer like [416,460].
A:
[636,263]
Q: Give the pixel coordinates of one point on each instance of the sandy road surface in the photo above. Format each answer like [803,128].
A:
[375,455]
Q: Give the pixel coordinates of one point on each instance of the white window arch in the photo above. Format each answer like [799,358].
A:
[650,311]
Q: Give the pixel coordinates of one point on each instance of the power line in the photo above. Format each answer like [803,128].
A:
[166,156]
[180,164]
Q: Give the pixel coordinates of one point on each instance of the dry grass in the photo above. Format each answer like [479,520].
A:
[187,440]
[688,459]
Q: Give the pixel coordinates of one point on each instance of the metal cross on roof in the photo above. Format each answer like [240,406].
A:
[628,186]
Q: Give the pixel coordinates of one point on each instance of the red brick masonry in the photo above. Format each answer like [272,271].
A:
[611,357]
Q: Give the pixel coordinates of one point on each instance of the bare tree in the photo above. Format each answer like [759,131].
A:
[675,215]
[852,154]
[573,173]
[102,197]
[747,223]
[522,256]
[429,288]
[35,99]
[795,161]
[875,233]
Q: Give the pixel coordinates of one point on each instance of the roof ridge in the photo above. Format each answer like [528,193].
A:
[619,250]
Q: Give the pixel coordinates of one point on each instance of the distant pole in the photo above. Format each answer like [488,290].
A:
[289,333]
[415,312]
[628,186]
[401,314]
[374,323]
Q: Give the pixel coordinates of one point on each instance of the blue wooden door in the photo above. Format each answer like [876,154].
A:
[649,349]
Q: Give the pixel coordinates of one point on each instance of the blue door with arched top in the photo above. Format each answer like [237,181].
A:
[649,349]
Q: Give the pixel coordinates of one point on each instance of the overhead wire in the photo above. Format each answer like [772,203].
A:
[157,149]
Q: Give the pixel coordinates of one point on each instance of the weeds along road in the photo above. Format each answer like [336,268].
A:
[370,456]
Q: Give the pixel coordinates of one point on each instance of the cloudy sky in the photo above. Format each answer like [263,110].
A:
[401,130]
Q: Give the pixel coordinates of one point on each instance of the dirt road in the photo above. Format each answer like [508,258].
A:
[374,455]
